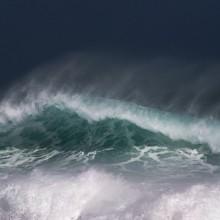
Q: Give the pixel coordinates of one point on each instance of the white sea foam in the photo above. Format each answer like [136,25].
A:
[199,202]
[99,195]
[175,126]
[53,197]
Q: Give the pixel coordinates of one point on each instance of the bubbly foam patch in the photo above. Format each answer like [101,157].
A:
[199,202]
[53,197]
[100,195]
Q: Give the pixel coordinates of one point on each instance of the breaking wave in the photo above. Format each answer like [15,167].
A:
[82,157]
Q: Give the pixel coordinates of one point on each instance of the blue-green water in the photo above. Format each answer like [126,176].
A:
[80,157]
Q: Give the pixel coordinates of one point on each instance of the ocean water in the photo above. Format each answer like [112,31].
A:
[80,157]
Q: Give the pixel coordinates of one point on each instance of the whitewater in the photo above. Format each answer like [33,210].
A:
[80,157]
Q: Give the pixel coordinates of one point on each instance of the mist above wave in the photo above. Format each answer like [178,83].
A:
[168,83]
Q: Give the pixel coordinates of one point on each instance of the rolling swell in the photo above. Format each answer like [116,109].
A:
[68,132]
[54,127]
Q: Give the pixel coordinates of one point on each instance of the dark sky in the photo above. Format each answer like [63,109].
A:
[33,32]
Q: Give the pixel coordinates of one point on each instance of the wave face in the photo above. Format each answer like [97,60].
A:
[80,157]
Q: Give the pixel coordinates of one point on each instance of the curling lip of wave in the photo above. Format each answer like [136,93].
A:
[93,109]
